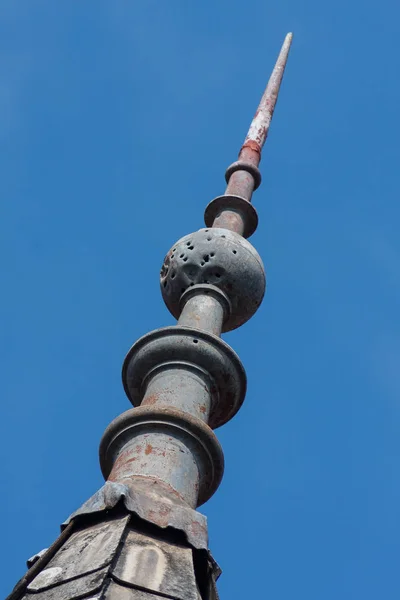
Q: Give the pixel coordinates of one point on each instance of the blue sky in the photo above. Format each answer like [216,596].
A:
[117,121]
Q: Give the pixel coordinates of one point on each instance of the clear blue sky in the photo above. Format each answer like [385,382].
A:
[117,121]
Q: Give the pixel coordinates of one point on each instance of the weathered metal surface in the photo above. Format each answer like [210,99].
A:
[243,170]
[240,183]
[259,128]
[120,557]
[158,454]
[87,550]
[150,505]
[233,213]
[40,563]
[155,565]
[219,257]
[206,289]
[144,565]
[73,589]
[179,347]
[243,176]
[203,311]
[117,591]
[31,561]
[184,386]
[164,445]
[162,459]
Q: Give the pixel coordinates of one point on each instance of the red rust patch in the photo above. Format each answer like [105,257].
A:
[197,529]
[149,449]
[149,400]
[253,145]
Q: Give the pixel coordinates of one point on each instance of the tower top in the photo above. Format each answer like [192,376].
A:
[140,535]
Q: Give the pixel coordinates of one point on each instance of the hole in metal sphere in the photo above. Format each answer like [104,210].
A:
[190,247]
[218,275]
[202,263]
[234,251]
[212,254]
[185,259]
[173,275]
[206,230]
[195,341]
[191,283]
[181,256]
[224,236]
[188,243]
[208,239]
[206,257]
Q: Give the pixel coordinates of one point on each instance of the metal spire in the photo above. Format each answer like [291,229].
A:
[259,128]
[140,536]
[243,176]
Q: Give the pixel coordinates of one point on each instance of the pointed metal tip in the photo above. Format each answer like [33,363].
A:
[260,125]
[286,46]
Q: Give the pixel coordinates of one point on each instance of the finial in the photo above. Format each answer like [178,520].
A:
[233,210]
[259,128]
[162,460]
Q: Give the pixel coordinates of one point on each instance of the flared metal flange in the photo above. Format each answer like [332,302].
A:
[235,204]
[185,346]
[180,427]
[241,165]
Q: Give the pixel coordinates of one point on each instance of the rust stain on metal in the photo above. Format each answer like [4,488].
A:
[243,181]
[253,145]
[260,125]
[193,458]
[150,400]
[197,528]
[161,516]
[231,220]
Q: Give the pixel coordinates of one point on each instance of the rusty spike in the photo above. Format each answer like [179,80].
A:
[259,127]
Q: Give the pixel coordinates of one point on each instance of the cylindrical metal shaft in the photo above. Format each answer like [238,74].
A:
[203,312]
[185,388]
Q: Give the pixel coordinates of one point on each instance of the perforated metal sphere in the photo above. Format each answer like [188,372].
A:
[219,257]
